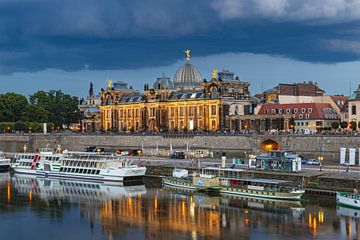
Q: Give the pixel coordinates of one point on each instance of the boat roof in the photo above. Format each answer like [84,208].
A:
[260,180]
[225,169]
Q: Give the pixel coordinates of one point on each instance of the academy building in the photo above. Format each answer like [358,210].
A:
[186,103]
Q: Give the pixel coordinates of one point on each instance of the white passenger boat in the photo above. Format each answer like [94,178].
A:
[348,199]
[92,166]
[4,162]
[73,191]
[28,163]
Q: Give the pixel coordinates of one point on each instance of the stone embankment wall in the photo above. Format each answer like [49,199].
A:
[234,146]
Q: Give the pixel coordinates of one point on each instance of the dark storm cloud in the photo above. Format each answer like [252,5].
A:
[77,34]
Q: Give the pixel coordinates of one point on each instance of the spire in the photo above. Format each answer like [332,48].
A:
[214,73]
[91,90]
[187,52]
[109,84]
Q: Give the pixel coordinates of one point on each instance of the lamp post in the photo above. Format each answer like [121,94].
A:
[321,158]
[139,154]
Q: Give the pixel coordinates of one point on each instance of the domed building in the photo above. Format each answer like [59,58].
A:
[188,103]
[187,76]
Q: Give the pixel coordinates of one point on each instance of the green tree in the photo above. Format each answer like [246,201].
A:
[335,125]
[19,126]
[62,108]
[343,124]
[35,113]
[12,105]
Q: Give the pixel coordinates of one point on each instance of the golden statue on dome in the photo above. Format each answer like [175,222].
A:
[187,55]
[214,73]
[109,84]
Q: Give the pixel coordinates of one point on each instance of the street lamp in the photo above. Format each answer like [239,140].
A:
[321,158]
[29,129]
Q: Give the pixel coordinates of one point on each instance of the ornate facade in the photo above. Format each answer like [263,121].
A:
[189,103]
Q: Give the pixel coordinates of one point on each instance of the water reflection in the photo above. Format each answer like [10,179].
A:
[100,211]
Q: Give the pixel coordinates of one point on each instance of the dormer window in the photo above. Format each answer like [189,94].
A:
[307,116]
[280,111]
[309,110]
[300,116]
[295,110]
[288,111]
[266,111]
[303,110]
[273,111]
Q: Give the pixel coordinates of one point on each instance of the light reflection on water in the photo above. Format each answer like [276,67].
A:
[39,208]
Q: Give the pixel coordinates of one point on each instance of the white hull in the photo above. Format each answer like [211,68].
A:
[113,175]
[294,195]
[24,170]
[349,200]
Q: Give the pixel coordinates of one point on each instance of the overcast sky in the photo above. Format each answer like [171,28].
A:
[51,44]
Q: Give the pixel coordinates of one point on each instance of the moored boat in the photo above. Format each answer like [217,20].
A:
[198,182]
[348,199]
[233,182]
[261,188]
[4,162]
[92,166]
[28,163]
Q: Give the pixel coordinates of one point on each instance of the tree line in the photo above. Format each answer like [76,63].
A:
[53,107]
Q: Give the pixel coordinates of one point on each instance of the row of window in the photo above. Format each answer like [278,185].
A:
[152,112]
[26,157]
[80,170]
[83,163]
[26,164]
[287,111]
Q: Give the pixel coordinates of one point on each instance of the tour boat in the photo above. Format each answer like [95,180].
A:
[198,182]
[28,163]
[261,188]
[233,182]
[73,191]
[348,199]
[4,162]
[92,166]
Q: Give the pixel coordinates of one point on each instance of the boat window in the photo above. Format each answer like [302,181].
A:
[73,170]
[61,169]
[81,170]
[98,171]
[93,172]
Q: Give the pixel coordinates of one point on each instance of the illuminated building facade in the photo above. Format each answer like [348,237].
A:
[188,103]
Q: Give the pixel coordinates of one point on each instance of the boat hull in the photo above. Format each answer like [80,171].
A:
[188,185]
[292,195]
[348,200]
[120,175]
[178,184]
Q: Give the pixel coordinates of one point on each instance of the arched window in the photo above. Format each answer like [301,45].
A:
[236,110]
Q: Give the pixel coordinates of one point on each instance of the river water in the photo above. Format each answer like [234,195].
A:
[38,208]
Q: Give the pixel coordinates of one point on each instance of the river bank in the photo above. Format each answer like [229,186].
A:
[314,182]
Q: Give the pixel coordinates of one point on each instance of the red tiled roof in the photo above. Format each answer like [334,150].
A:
[340,101]
[301,111]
